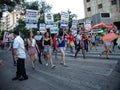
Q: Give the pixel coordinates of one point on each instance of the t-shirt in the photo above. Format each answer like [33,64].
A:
[85,39]
[71,38]
[38,39]
[19,45]
[78,38]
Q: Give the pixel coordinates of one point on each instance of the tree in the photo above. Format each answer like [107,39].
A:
[21,28]
[8,5]
[43,7]
[33,5]
[71,16]
[57,17]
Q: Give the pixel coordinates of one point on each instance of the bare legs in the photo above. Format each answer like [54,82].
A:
[63,57]
[107,49]
[33,58]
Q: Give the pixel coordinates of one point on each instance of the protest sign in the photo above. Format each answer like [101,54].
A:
[31,18]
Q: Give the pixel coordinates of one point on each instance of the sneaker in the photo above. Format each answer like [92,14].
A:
[22,79]
[61,64]
[65,65]
[46,64]
[107,58]
[53,66]
[15,78]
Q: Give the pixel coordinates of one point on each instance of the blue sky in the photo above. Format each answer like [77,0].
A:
[75,6]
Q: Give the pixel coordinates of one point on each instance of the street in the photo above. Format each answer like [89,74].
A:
[92,73]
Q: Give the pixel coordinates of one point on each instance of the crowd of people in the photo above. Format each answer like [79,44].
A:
[46,44]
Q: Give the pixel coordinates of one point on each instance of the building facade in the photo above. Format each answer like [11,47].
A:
[112,7]
[9,20]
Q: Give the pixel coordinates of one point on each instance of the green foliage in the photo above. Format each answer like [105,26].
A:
[71,16]
[57,17]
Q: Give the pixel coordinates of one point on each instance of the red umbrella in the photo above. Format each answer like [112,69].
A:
[111,26]
[109,37]
[98,26]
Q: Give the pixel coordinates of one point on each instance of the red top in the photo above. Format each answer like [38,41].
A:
[55,42]
[70,38]
[85,38]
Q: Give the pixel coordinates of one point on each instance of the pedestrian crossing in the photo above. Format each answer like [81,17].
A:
[94,54]
[91,73]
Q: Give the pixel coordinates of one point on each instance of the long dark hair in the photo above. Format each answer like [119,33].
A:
[61,33]
[46,34]
[28,34]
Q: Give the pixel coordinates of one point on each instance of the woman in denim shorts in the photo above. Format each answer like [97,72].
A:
[47,44]
[61,46]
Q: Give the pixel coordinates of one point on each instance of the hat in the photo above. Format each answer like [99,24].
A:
[16,32]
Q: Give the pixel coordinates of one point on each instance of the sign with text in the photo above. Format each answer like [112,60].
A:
[64,19]
[74,23]
[31,18]
[42,28]
[49,20]
[7,37]
[54,29]
[87,25]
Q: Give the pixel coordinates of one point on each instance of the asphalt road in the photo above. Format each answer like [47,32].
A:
[92,73]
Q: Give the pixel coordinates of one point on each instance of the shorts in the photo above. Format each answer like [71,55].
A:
[107,43]
[62,48]
[47,48]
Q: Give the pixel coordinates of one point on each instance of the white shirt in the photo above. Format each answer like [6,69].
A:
[78,38]
[19,45]
[38,37]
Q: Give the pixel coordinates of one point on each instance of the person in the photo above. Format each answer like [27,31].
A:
[107,46]
[32,49]
[38,39]
[85,40]
[92,42]
[47,44]
[55,44]
[80,45]
[118,42]
[20,56]
[71,41]
[11,48]
[61,46]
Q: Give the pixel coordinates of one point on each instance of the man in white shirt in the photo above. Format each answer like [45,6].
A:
[20,56]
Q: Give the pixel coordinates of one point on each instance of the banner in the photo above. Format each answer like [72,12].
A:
[42,28]
[87,25]
[7,37]
[54,29]
[31,18]
[64,20]
[49,20]
[74,23]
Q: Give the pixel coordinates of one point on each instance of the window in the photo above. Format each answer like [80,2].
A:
[113,2]
[105,15]
[100,6]
[87,0]
[89,9]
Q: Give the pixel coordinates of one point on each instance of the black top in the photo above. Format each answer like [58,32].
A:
[47,42]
